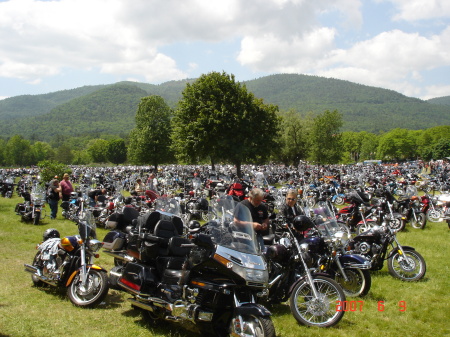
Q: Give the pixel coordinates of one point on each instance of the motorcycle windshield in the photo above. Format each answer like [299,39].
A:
[324,220]
[232,226]
[87,225]
[411,191]
[168,205]
[38,194]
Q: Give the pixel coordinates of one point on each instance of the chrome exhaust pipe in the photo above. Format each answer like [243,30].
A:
[36,272]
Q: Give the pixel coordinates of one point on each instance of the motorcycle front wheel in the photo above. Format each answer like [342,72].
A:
[321,311]
[409,267]
[339,200]
[358,282]
[252,325]
[92,293]
[434,215]
[37,217]
[420,221]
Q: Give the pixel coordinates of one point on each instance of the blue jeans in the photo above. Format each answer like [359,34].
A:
[53,207]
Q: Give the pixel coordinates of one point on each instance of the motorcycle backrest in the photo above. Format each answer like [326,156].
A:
[165,229]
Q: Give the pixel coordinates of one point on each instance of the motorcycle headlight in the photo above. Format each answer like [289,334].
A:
[255,275]
[95,245]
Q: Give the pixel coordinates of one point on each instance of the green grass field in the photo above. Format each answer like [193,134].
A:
[29,311]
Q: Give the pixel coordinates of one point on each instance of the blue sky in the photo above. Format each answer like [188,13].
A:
[46,46]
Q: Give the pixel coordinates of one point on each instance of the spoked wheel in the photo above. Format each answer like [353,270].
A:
[434,215]
[358,282]
[396,223]
[409,267]
[92,293]
[421,221]
[320,311]
[339,200]
[251,325]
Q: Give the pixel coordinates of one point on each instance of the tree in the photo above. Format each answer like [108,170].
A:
[441,149]
[396,144]
[18,151]
[150,141]
[50,168]
[293,138]
[326,146]
[218,119]
[64,154]
[117,151]
[42,151]
[97,150]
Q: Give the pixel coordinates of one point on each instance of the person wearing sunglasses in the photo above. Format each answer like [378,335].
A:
[290,209]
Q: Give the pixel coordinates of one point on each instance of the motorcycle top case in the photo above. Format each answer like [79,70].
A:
[114,240]
[139,279]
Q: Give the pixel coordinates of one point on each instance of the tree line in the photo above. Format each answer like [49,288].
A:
[218,120]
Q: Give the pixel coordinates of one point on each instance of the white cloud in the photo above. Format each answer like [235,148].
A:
[414,10]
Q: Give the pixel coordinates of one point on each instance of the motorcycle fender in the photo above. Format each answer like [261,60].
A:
[351,258]
[301,279]
[394,251]
[252,309]
[89,266]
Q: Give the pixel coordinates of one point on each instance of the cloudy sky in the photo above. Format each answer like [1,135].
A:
[46,46]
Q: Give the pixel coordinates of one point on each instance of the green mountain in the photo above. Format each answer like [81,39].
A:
[111,108]
[440,100]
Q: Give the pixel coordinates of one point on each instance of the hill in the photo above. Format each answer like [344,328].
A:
[440,100]
[111,108]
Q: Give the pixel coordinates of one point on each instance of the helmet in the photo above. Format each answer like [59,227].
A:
[203,204]
[276,253]
[73,194]
[50,233]
[302,223]
[194,224]
[69,243]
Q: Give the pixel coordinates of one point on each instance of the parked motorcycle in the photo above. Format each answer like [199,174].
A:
[312,297]
[212,280]
[326,247]
[33,207]
[404,262]
[7,187]
[68,262]
[411,209]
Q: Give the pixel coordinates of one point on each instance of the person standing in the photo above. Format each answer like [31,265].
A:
[66,188]
[53,197]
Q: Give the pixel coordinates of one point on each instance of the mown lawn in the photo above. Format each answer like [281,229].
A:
[29,311]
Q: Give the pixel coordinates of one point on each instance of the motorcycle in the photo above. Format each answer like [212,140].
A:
[211,280]
[327,242]
[75,206]
[68,262]
[7,188]
[312,297]
[411,210]
[33,207]
[404,262]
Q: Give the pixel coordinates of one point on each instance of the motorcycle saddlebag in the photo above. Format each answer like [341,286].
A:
[65,205]
[139,279]
[142,250]
[114,240]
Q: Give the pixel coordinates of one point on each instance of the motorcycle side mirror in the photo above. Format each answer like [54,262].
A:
[204,241]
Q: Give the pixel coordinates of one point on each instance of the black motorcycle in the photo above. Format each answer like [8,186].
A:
[312,298]
[212,280]
[404,262]
[411,209]
[327,244]
[68,262]
[33,207]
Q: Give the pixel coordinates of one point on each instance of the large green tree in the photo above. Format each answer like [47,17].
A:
[397,144]
[219,120]
[326,145]
[150,141]
[18,151]
[117,151]
[97,150]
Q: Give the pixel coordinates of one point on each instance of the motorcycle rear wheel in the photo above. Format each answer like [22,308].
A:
[319,312]
[358,284]
[253,326]
[93,294]
[411,267]
[421,221]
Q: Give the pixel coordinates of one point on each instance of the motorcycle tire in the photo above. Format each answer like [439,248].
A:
[254,326]
[37,217]
[36,281]
[397,224]
[320,312]
[434,215]
[421,221]
[411,267]
[358,284]
[97,289]
[339,201]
